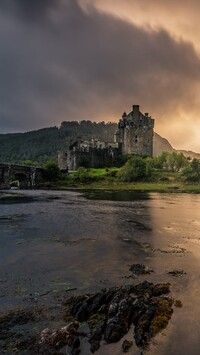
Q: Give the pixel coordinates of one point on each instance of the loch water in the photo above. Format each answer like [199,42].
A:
[58,242]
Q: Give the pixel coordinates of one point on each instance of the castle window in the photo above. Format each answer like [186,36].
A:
[136,139]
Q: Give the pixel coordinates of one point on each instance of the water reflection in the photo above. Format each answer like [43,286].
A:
[118,195]
[63,240]
[83,242]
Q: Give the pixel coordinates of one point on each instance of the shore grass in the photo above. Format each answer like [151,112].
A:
[108,179]
[97,172]
[115,184]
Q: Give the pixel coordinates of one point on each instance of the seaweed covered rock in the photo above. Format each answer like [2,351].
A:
[140,269]
[12,337]
[110,313]
[126,345]
[107,315]
[155,319]
[55,339]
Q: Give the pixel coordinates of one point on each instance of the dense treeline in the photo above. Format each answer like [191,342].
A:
[154,168]
[38,147]
[166,168]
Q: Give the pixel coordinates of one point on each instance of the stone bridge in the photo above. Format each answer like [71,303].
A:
[25,176]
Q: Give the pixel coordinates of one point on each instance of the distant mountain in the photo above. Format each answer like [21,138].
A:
[42,145]
[160,145]
[189,154]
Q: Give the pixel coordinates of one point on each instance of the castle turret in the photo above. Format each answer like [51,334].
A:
[136,108]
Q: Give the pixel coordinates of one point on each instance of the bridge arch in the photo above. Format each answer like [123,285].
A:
[22,180]
[25,176]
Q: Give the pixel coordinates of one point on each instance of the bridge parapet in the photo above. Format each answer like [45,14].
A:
[27,176]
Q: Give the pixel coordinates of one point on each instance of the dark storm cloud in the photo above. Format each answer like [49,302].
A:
[28,10]
[76,64]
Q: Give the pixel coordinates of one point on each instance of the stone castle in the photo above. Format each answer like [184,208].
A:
[133,136]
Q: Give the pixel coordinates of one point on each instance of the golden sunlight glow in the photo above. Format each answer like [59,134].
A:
[178,120]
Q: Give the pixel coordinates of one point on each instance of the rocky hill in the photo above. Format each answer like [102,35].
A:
[160,145]
[189,154]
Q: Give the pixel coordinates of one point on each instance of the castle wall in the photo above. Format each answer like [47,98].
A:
[77,158]
[62,160]
[92,158]
[137,141]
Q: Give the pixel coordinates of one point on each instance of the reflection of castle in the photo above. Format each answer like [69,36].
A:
[134,136]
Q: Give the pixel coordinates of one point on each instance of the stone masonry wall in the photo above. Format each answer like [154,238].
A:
[94,158]
[138,141]
[135,132]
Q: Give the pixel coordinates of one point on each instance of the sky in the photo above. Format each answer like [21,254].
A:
[93,59]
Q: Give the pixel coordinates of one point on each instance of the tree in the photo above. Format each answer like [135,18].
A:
[51,171]
[133,170]
[172,161]
[30,163]
[192,171]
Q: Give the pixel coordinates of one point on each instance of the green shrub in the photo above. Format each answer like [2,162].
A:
[171,161]
[191,173]
[135,169]
[83,175]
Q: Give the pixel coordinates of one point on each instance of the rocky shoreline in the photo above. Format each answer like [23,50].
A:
[100,318]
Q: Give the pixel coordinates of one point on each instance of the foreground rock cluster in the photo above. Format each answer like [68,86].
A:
[96,319]
[109,315]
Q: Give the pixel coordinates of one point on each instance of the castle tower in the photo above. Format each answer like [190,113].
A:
[136,132]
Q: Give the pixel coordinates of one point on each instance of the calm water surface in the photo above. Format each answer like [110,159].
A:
[86,241]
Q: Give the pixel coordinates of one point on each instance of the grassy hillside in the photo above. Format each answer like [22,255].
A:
[42,145]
